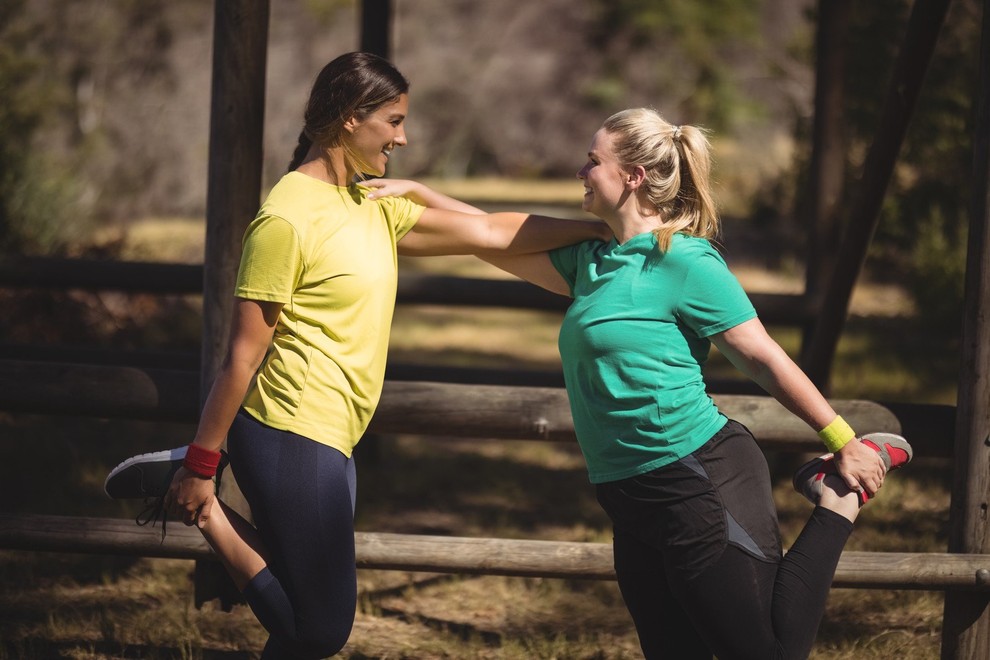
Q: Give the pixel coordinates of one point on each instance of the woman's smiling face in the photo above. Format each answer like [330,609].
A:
[604,178]
[373,138]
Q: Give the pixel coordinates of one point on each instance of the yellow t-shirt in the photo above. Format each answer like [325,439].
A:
[329,255]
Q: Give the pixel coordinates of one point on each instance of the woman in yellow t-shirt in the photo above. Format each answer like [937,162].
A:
[305,363]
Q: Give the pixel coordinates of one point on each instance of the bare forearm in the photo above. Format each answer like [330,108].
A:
[788,384]
[762,360]
[426,196]
[518,233]
[223,402]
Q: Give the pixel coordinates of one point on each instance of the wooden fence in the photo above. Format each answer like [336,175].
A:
[487,556]
[115,390]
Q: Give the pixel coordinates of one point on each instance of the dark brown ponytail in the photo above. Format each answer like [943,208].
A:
[302,148]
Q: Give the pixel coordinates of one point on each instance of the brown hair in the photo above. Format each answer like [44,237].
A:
[352,85]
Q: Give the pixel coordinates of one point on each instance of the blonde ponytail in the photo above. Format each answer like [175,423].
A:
[677,160]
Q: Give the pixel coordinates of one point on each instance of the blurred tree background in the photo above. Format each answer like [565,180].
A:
[105,113]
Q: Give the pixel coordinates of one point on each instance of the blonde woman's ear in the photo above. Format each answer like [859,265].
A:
[635,177]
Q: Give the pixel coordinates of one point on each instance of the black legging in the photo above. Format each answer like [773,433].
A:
[301,495]
[698,562]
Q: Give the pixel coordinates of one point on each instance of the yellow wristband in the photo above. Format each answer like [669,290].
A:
[837,434]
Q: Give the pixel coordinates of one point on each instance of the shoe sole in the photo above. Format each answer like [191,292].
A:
[145,475]
[805,473]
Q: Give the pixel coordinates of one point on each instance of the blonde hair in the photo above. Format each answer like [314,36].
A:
[677,160]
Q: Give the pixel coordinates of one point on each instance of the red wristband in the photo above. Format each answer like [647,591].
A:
[201,461]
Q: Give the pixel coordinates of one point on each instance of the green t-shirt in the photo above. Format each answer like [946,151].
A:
[633,343]
[329,255]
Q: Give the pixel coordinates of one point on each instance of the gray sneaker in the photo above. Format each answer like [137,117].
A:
[895,452]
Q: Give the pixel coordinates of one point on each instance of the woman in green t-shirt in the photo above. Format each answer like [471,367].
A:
[305,364]
[697,546]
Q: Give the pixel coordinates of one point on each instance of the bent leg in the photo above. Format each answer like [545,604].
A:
[300,496]
[804,579]
[710,519]
[747,608]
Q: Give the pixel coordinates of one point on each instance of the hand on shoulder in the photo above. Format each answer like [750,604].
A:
[390,188]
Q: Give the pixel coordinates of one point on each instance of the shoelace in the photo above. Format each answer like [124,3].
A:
[154,509]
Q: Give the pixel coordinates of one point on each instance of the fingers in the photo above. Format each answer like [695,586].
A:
[203,514]
[191,511]
[380,188]
[870,482]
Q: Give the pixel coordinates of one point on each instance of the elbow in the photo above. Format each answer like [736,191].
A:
[242,361]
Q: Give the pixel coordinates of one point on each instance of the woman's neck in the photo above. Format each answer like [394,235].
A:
[329,166]
[628,225]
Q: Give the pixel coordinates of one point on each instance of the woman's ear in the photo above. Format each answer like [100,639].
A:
[635,177]
[351,123]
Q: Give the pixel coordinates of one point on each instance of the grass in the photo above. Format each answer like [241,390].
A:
[77,606]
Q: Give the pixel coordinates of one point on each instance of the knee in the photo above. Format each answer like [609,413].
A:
[323,641]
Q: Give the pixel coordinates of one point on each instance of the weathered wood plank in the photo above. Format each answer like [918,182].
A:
[487,556]
[471,411]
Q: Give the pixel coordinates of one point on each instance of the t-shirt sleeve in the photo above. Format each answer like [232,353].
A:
[712,300]
[402,214]
[271,261]
[566,260]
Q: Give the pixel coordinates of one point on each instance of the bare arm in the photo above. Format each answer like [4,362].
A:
[534,267]
[251,332]
[190,496]
[441,232]
[760,358]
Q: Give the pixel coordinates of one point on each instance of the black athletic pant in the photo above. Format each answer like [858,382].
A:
[301,495]
[698,559]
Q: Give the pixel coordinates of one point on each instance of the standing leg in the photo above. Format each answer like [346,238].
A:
[663,628]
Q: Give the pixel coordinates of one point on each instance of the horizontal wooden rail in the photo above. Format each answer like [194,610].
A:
[129,276]
[488,556]
[414,288]
[473,411]
[930,426]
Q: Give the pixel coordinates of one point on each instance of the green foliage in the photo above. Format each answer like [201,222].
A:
[325,12]
[26,204]
[62,64]
[38,202]
[696,38]
[922,231]
[937,275]
[932,189]
[921,235]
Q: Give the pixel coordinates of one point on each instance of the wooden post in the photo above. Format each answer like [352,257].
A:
[376,27]
[240,44]
[966,623]
[924,24]
[828,156]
